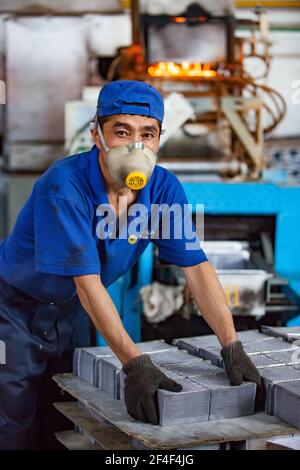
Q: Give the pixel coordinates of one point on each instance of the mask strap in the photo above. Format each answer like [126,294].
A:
[104,144]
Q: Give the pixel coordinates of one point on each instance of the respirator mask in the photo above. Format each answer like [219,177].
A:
[130,165]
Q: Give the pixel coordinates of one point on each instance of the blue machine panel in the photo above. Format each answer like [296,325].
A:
[222,198]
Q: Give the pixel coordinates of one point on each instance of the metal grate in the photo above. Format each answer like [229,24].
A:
[251,336]
[172,357]
[262,360]
[272,345]
[190,369]
[286,357]
[275,375]
[227,401]
[191,405]
[287,402]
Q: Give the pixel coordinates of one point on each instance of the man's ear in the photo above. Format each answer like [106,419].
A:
[96,138]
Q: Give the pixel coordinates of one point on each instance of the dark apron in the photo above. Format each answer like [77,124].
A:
[35,334]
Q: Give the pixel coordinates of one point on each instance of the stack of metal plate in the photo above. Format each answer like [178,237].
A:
[203,398]
[286,357]
[166,358]
[288,333]
[250,336]
[156,347]
[87,361]
[111,380]
[266,352]
[122,385]
[110,368]
[208,347]
[206,393]
[191,405]
[287,402]
[205,347]
[227,401]
[190,344]
[195,368]
[265,347]
[271,376]
[179,363]
[264,360]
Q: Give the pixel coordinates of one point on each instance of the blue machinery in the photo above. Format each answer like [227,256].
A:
[257,198]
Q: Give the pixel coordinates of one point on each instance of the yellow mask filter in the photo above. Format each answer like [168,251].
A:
[136,180]
[131,165]
[132,239]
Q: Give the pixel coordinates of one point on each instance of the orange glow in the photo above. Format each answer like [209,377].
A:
[183,19]
[185,69]
[180,19]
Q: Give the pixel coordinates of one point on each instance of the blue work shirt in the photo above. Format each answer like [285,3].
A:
[56,235]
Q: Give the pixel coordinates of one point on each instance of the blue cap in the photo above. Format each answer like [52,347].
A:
[130,97]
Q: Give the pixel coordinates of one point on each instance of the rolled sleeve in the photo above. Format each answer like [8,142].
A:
[64,242]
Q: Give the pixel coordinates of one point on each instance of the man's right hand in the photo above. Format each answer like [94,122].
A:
[142,381]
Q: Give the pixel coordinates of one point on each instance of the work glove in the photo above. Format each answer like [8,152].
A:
[238,365]
[142,381]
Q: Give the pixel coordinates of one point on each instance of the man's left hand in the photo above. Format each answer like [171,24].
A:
[238,365]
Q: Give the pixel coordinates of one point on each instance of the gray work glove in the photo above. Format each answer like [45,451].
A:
[142,380]
[238,365]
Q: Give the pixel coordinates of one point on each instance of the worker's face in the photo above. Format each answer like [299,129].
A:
[123,129]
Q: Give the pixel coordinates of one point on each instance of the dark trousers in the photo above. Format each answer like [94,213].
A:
[38,341]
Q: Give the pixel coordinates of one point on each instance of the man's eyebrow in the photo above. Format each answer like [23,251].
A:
[150,129]
[121,124]
[127,126]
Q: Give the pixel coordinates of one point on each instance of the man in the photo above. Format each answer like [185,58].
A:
[60,251]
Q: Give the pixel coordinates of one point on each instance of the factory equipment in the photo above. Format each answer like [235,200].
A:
[198,53]
[217,117]
[243,283]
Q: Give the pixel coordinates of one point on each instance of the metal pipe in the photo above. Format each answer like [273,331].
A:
[135,20]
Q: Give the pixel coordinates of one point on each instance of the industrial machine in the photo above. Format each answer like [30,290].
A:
[217,120]
[218,154]
[212,71]
[199,54]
